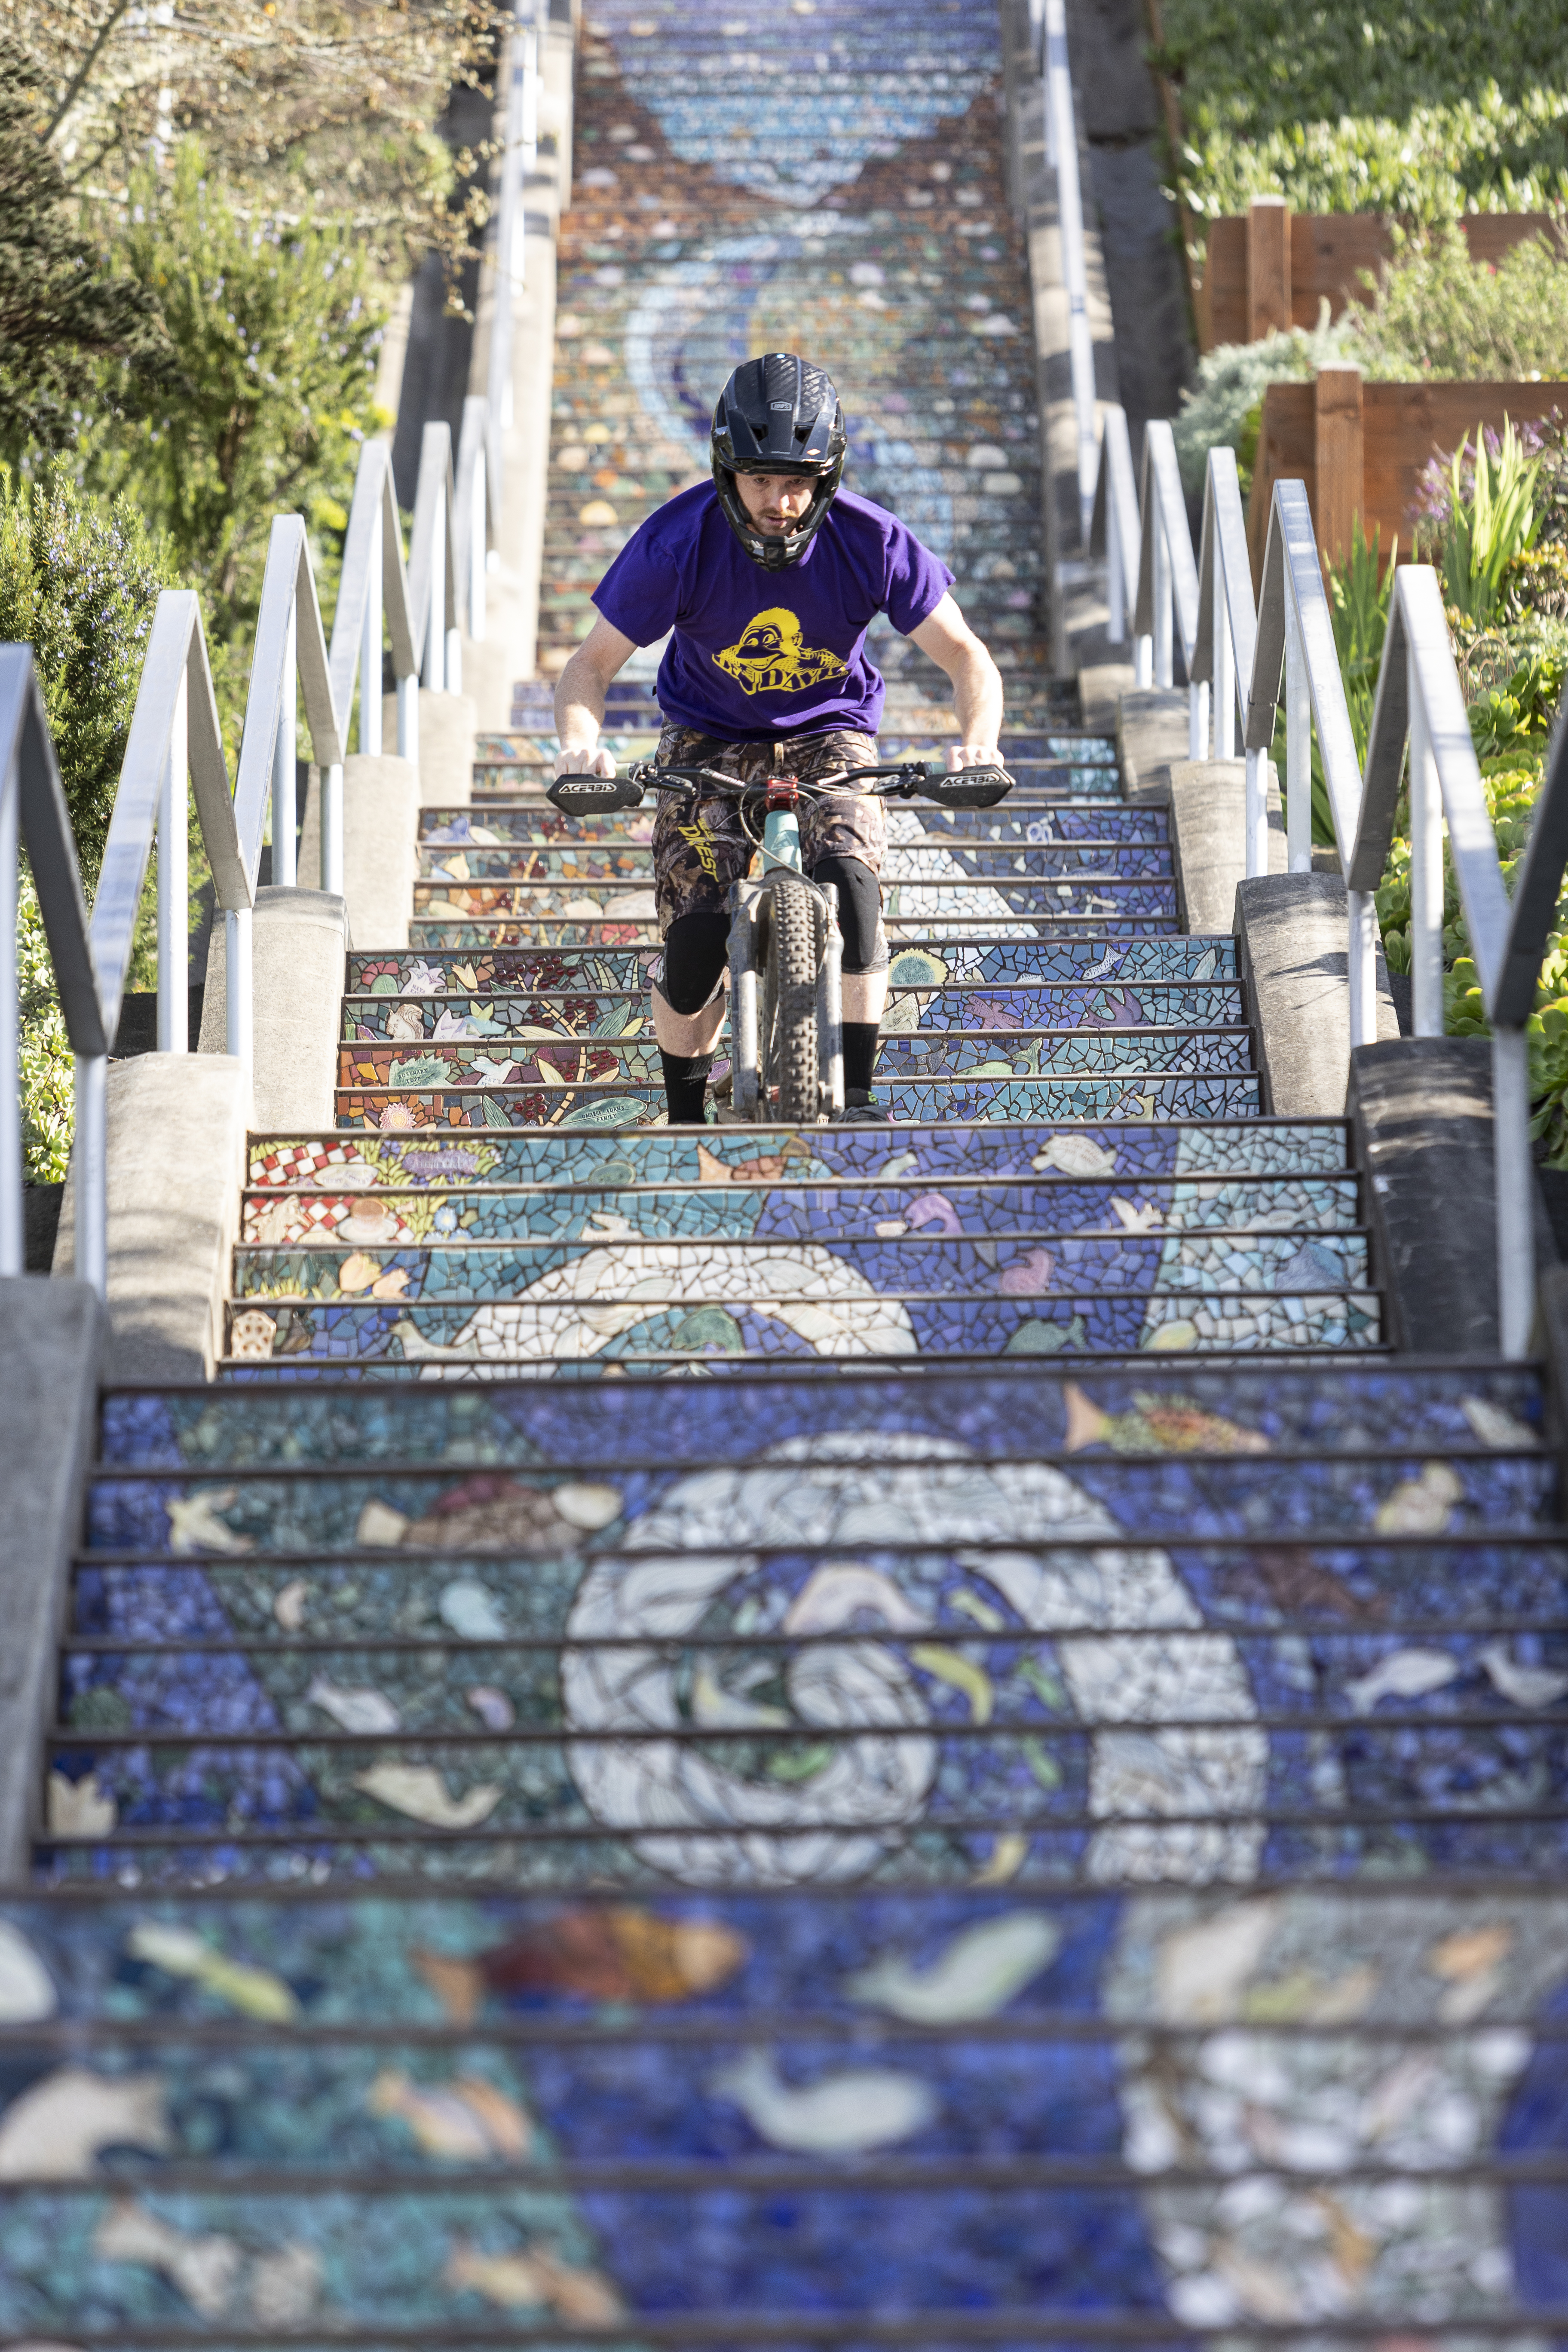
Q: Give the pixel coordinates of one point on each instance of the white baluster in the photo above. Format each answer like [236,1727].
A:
[1425,870]
[1224,663]
[370,650]
[1298,748]
[238,1018]
[285,843]
[173,890]
[90,1171]
[1515,1183]
[1164,606]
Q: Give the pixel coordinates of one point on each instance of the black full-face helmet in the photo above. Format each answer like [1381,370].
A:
[778,414]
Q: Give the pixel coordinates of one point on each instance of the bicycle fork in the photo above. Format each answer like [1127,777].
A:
[748,910]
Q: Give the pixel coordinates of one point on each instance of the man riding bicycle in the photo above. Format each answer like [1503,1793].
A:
[766,680]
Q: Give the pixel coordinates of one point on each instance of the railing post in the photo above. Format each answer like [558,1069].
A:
[13,1234]
[333,829]
[285,844]
[369,654]
[409,717]
[1063,144]
[1514,1181]
[90,1166]
[435,625]
[1257,818]
[174,890]
[1165,606]
[1198,719]
[1360,907]
[476,500]
[1425,869]
[1297,746]
[237,984]
[1224,662]
[1115,586]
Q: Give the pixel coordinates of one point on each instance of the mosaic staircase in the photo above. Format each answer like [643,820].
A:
[862,1737]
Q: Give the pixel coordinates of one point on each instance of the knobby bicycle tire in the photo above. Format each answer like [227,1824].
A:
[789,1072]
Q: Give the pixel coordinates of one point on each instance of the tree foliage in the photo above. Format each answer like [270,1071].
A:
[329,102]
[61,312]
[275,326]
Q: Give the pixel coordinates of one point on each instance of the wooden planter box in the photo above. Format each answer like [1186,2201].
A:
[1273,267]
[1360,447]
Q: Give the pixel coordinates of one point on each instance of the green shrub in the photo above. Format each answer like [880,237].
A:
[1421,109]
[79,581]
[1232,380]
[274,325]
[1432,312]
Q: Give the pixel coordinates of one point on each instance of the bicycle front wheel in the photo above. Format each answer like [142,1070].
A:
[789,1063]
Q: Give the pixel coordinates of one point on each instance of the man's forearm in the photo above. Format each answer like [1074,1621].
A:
[977,697]
[579,705]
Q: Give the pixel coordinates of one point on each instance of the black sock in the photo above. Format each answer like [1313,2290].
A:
[684,1082]
[859,1054]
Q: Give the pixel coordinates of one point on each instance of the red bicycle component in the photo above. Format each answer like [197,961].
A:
[783,792]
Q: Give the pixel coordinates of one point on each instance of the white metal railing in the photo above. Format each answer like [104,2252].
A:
[1061,156]
[288,664]
[1227,638]
[1115,527]
[1420,703]
[1167,602]
[33,813]
[434,575]
[373,593]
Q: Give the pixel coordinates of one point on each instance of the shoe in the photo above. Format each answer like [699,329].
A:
[860,1106]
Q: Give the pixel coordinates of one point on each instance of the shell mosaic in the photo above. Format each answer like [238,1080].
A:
[877,1733]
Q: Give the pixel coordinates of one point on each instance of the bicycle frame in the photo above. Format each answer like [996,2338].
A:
[746,905]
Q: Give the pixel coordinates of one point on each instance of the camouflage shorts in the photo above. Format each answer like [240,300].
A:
[699,852]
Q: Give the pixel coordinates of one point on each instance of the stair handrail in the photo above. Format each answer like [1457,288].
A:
[434,575]
[1228,636]
[33,812]
[1061,156]
[288,662]
[1116,528]
[1421,703]
[475,520]
[1167,583]
[373,591]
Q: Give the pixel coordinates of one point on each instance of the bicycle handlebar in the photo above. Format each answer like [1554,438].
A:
[948,788]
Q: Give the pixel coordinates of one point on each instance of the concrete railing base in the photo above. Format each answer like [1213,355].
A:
[1422,1110]
[1152,730]
[300,941]
[1208,838]
[177,1168]
[53,1338]
[448,727]
[1292,936]
[381,845]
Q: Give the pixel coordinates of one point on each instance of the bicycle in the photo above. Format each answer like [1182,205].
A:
[786,1050]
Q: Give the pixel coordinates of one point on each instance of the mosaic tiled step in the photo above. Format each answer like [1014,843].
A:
[1084,898]
[678,1315]
[1131,1150]
[610,1101]
[605,1051]
[1016,1411]
[1028,1212]
[951,863]
[306,2142]
[897,1264]
[1021,818]
[989,1006]
[975,960]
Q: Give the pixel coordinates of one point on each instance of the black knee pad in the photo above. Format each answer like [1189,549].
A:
[695,952]
[859,912]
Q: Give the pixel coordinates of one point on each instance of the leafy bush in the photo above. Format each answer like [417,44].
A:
[1232,380]
[79,580]
[1434,312]
[275,326]
[1492,519]
[1425,110]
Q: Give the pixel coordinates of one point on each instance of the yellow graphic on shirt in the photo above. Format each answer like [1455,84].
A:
[770,659]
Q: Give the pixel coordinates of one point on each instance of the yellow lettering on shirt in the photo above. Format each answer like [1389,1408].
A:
[769,657]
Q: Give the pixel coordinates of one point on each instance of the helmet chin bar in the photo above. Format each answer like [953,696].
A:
[775,554]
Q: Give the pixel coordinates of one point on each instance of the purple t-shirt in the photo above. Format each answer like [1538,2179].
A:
[756,654]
